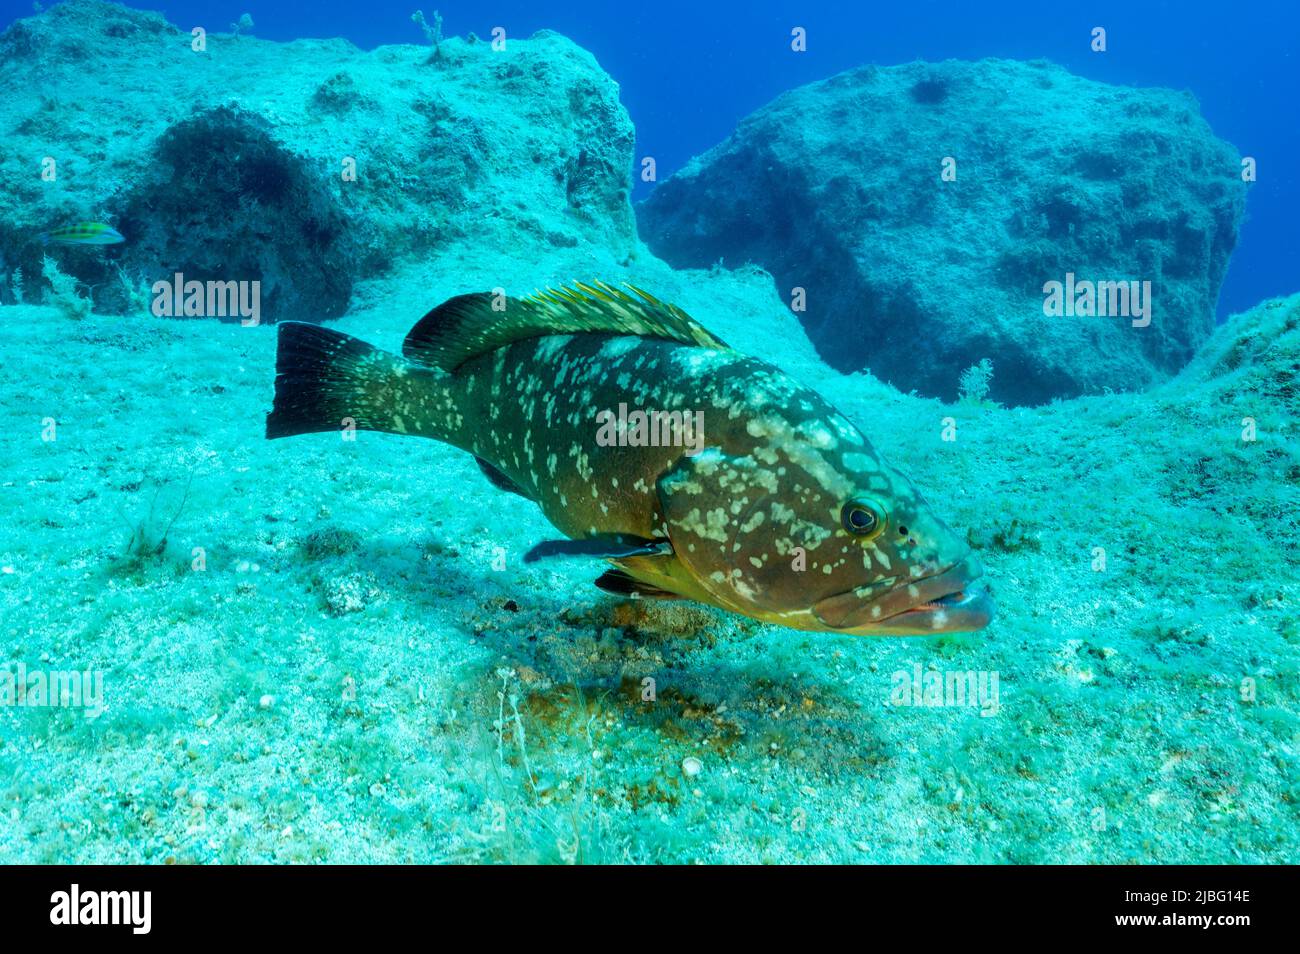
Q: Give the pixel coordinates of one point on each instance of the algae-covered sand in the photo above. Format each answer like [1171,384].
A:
[364,670]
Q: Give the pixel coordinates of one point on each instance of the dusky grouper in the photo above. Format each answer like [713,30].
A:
[778,509]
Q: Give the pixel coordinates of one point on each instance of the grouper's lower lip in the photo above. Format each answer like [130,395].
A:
[966,610]
[946,602]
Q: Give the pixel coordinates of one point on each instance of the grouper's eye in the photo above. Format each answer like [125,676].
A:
[862,518]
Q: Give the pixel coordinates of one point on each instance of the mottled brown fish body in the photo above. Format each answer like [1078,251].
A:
[773,504]
[531,410]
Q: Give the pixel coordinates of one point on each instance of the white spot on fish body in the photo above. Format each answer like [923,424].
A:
[817,435]
[617,347]
[549,346]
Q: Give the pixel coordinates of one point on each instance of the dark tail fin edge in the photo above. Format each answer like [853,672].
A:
[319,379]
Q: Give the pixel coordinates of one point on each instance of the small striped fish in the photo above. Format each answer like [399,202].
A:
[83,233]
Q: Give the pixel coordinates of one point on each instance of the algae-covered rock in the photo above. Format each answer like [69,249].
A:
[922,209]
[1255,353]
[1240,395]
[306,166]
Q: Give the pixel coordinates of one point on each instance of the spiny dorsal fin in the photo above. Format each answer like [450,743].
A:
[466,326]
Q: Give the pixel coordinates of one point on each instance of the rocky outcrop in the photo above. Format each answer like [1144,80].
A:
[923,208]
[1253,360]
[236,162]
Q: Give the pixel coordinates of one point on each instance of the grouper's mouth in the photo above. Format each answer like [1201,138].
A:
[947,602]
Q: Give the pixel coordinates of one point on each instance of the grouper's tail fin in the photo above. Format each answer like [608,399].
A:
[329,381]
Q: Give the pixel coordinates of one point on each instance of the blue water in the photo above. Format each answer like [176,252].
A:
[689,71]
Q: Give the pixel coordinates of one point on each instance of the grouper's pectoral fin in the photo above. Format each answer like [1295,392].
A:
[621,583]
[608,546]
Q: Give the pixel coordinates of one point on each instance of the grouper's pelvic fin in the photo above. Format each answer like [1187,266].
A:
[329,381]
[501,480]
[622,583]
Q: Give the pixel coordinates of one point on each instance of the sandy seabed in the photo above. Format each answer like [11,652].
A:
[361,668]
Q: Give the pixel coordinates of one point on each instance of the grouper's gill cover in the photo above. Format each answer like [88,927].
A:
[778,508]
